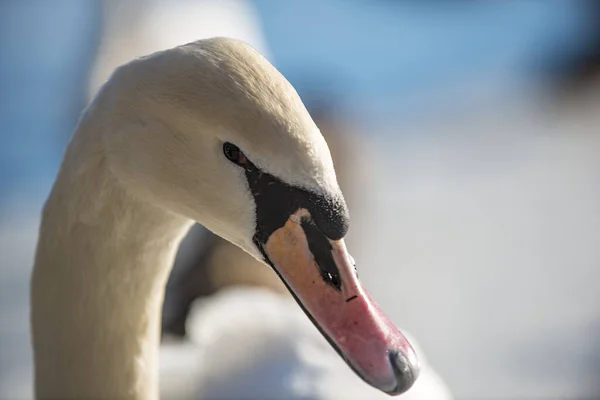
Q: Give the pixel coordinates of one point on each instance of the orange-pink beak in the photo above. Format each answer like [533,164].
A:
[320,274]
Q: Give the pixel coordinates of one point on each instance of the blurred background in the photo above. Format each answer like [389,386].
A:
[466,136]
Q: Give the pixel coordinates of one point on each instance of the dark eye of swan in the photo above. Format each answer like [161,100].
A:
[234,154]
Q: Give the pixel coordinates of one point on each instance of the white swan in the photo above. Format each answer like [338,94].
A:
[210,132]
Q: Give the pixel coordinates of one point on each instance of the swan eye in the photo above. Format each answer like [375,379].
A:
[234,154]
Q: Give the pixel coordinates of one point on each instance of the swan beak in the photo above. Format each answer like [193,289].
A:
[321,275]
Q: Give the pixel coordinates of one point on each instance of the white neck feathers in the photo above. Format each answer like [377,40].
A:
[101,266]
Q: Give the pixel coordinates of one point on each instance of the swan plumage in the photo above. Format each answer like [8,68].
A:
[251,343]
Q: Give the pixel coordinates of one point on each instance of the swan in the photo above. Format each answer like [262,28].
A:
[207,132]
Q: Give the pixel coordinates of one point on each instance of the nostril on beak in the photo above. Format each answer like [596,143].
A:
[405,371]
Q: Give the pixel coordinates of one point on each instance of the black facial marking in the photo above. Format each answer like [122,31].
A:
[276,201]
[320,248]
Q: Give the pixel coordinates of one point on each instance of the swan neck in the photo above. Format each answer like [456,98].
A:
[97,288]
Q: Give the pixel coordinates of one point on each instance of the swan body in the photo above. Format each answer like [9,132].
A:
[207,132]
[231,356]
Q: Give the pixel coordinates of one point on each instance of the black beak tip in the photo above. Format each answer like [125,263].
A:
[405,371]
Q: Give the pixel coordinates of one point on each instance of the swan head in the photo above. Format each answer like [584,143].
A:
[213,132]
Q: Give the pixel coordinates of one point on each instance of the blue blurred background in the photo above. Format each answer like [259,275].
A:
[476,126]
